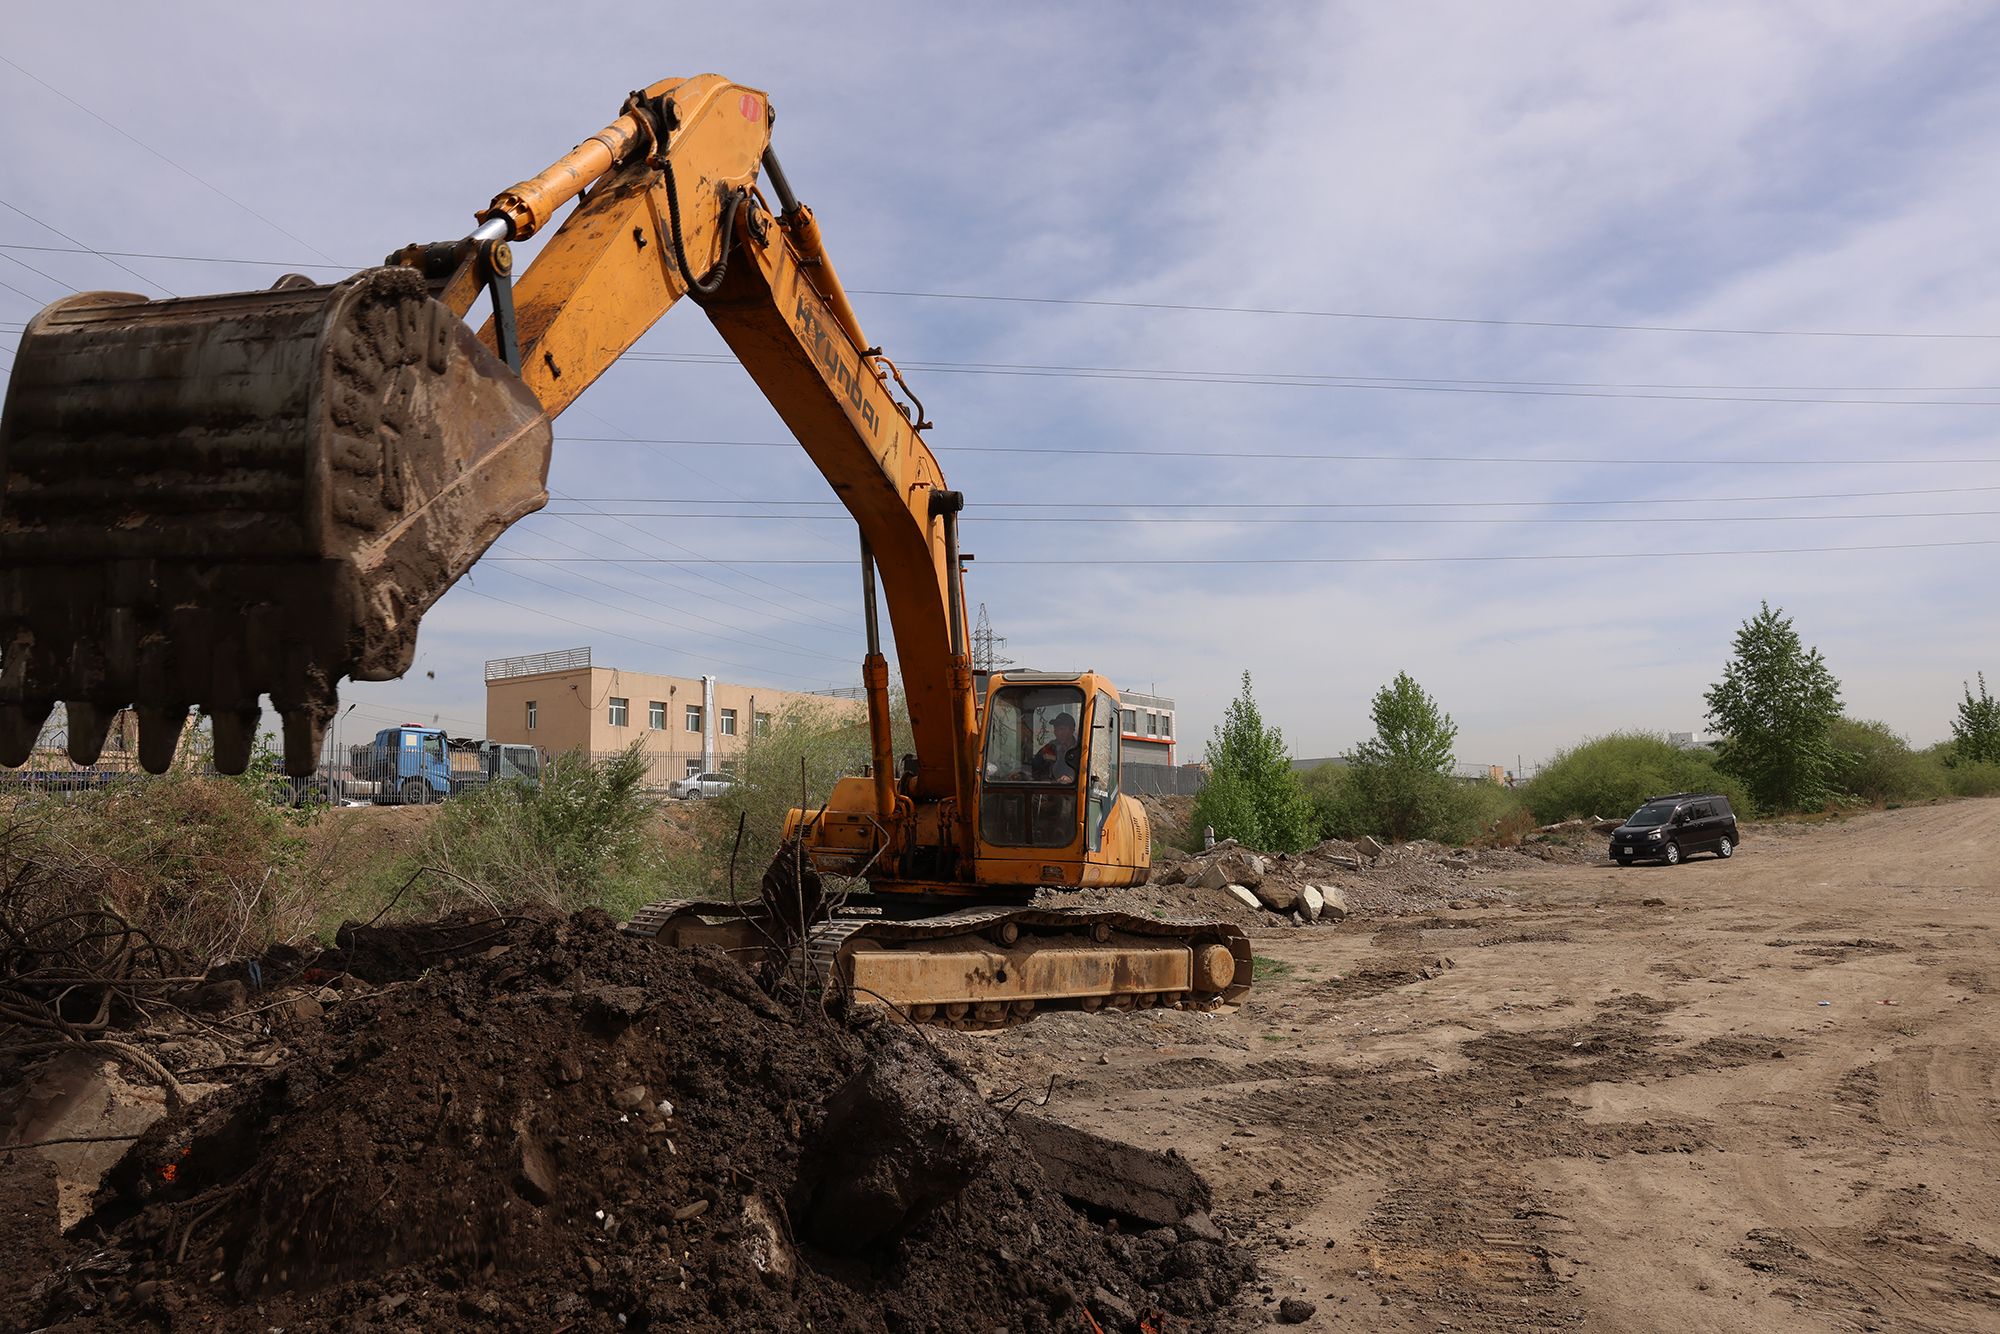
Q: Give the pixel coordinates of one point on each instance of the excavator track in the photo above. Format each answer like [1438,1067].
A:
[978,968]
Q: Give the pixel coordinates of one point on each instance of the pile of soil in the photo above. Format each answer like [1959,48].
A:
[576,1129]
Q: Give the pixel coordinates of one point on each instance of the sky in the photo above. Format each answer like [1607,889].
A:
[1307,311]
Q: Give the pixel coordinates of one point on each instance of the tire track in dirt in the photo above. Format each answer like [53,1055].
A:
[1951,1091]
[1891,1275]
[1458,1229]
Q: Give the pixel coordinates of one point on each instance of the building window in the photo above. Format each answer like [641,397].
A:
[727,766]
[693,768]
[656,715]
[762,724]
[694,717]
[531,715]
[1128,720]
[1152,724]
[1166,724]
[618,709]
[726,722]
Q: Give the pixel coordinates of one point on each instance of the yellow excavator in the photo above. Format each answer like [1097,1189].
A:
[212,499]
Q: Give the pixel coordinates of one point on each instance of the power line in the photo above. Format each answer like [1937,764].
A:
[788,651]
[186,259]
[803,597]
[1678,461]
[1142,375]
[1258,521]
[49,226]
[1095,561]
[615,634]
[1348,504]
[809,623]
[38,273]
[657,581]
[164,158]
[1415,384]
[1194,307]
[1415,319]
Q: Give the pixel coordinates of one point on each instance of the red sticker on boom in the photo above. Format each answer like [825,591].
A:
[748,105]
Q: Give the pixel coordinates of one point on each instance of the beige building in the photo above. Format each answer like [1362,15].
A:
[559,702]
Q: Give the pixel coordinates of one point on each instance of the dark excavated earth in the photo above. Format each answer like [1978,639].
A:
[577,1130]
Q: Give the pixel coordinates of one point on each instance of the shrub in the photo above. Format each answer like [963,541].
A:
[1875,765]
[1970,779]
[1976,731]
[1614,775]
[577,840]
[1346,803]
[1490,814]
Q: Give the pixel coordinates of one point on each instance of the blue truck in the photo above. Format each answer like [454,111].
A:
[410,765]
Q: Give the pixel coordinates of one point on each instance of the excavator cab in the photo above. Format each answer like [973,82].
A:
[1050,808]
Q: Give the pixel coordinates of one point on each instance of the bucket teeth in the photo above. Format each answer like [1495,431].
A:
[305,729]
[160,735]
[20,728]
[235,730]
[89,724]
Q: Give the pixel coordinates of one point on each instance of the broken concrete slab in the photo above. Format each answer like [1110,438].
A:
[1277,895]
[1106,1177]
[1333,903]
[1310,902]
[1367,846]
[1243,896]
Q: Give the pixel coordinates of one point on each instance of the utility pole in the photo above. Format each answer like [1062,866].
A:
[986,646]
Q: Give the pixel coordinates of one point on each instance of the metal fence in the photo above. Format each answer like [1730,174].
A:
[57,777]
[1162,780]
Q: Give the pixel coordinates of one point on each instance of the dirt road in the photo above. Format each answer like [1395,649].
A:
[1760,1094]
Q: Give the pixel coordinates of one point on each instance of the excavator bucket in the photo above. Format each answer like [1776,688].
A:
[211,499]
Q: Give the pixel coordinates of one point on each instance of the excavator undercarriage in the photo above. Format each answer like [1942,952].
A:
[972,968]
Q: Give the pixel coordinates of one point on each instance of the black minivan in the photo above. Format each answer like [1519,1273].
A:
[1672,827]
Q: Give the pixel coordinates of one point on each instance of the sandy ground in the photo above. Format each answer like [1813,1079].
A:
[1755,1094]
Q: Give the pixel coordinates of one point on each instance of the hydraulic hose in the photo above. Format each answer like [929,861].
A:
[711,283]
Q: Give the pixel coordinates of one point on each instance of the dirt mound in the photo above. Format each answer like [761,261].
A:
[576,1129]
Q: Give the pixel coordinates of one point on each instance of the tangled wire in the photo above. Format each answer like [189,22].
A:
[67,978]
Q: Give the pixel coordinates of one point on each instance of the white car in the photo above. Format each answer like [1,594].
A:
[700,785]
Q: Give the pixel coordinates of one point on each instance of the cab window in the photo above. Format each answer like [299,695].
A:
[1032,736]
[1032,765]
[1102,792]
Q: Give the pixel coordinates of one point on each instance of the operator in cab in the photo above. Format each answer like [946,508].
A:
[1056,761]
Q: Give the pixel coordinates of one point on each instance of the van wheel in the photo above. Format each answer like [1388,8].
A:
[1673,854]
[1725,848]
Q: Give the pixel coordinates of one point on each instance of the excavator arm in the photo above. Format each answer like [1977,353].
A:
[211,499]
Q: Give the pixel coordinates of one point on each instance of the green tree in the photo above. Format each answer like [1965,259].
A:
[1774,708]
[1976,731]
[1252,794]
[1399,781]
